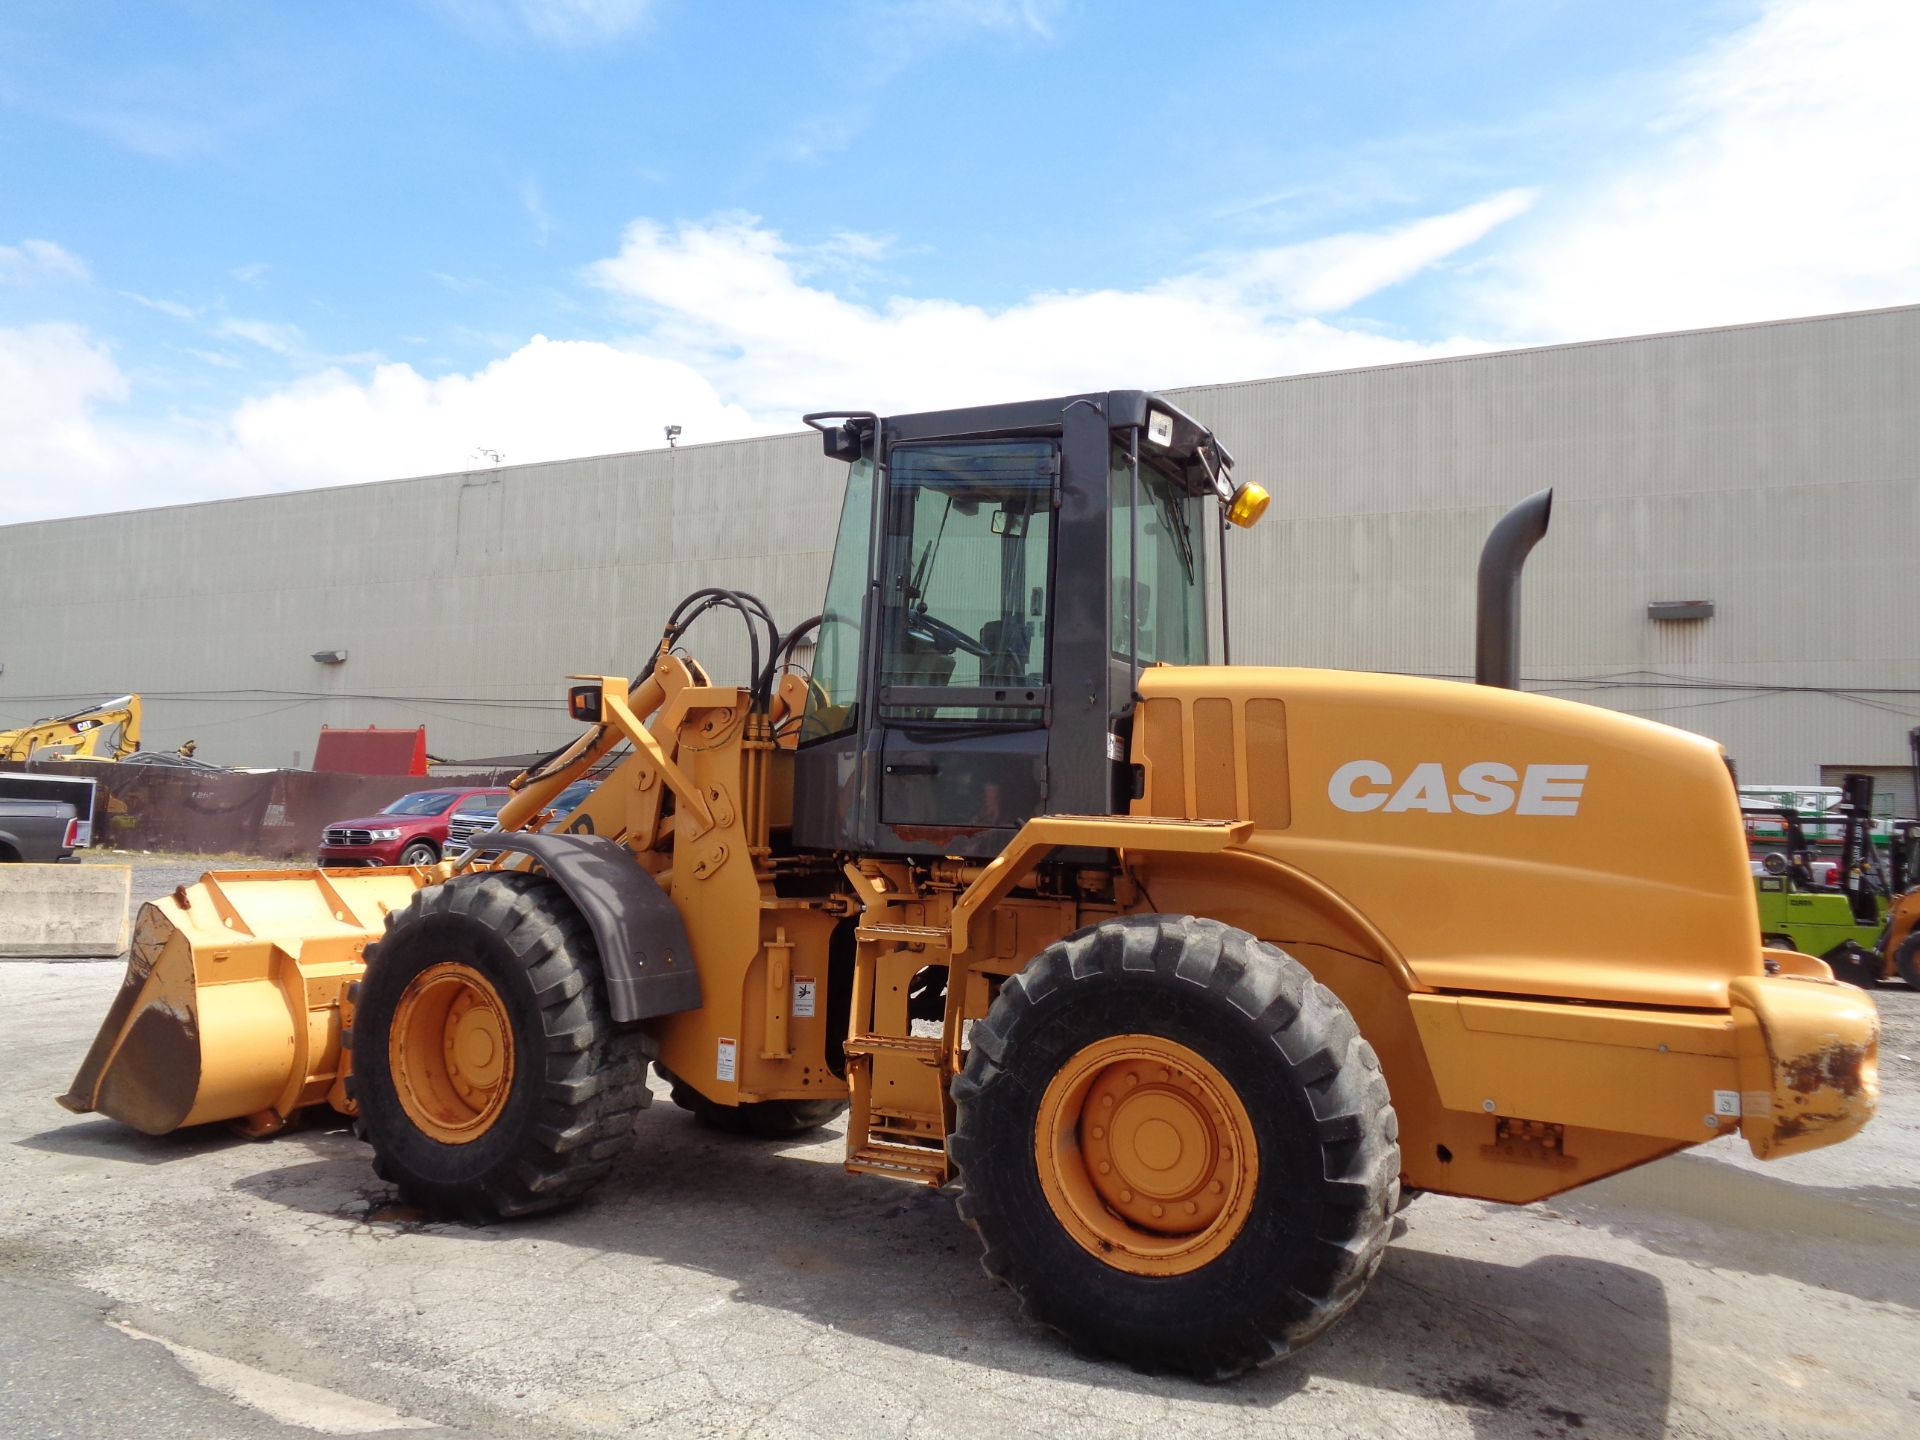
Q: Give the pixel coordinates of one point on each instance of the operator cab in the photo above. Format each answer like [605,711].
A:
[1000,577]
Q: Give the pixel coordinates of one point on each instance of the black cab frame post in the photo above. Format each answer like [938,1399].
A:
[922,763]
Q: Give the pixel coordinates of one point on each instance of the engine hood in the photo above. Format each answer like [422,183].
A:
[1501,841]
[390,822]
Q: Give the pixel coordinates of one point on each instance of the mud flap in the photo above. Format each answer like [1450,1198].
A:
[644,949]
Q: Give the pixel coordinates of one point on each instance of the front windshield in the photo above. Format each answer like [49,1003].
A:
[422,802]
[1159,559]
[482,804]
[836,655]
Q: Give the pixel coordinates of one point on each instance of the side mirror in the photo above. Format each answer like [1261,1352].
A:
[1010,522]
[842,441]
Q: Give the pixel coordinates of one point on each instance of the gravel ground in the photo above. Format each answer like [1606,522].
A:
[197,1284]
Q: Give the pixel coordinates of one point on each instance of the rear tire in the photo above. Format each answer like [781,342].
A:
[1255,1048]
[759,1119]
[536,1129]
[1906,960]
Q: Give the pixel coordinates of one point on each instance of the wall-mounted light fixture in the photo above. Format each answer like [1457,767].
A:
[673,436]
[331,657]
[1680,610]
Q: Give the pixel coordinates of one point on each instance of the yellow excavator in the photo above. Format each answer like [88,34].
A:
[1186,973]
[107,731]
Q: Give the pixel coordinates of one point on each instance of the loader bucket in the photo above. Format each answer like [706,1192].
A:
[232,1006]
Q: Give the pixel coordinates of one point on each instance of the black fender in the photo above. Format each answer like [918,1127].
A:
[644,949]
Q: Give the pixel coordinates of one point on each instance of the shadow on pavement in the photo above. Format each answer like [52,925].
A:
[1862,1241]
[1553,1347]
[103,1139]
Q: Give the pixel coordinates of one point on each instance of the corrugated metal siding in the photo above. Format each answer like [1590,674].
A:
[1774,469]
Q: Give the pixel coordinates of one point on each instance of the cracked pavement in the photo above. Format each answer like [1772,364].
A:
[202,1284]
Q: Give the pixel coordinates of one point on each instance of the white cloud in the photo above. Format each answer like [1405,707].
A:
[1319,277]
[1033,16]
[34,261]
[728,297]
[1783,178]
[558,22]
[51,379]
[276,336]
[734,339]
[535,204]
[171,308]
[547,399]
[574,22]
[63,451]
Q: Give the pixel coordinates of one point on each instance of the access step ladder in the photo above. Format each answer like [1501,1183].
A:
[899,1112]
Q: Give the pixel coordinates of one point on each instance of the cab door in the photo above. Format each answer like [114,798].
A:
[961,696]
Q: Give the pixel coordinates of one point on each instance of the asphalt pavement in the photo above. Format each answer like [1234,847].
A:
[200,1284]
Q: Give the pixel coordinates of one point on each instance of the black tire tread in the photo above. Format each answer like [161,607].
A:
[1313,1034]
[594,1079]
[1906,960]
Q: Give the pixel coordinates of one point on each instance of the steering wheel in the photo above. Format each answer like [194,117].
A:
[945,638]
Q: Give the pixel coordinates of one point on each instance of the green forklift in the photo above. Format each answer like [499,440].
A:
[1864,926]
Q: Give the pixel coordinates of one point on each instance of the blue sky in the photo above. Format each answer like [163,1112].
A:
[246,246]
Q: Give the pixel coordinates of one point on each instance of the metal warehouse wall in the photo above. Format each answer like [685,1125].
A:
[1774,469]
[469,597]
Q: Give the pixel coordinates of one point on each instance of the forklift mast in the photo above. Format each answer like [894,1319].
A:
[1001,576]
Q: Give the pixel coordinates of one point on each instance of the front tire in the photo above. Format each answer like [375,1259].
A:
[420,852]
[489,1075]
[1175,1146]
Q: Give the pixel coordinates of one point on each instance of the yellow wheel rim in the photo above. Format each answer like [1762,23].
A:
[1146,1155]
[451,1053]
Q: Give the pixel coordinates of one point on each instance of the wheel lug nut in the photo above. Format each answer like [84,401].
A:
[1191,1207]
[1126,1196]
[1214,1188]
[1098,1132]
[1105,1168]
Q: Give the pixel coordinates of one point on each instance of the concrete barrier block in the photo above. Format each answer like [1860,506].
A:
[64,911]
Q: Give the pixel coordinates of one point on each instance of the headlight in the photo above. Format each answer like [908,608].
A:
[384,834]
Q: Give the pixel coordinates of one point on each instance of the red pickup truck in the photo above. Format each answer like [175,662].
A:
[410,831]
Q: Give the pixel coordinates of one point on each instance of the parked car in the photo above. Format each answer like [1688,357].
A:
[410,831]
[38,832]
[474,818]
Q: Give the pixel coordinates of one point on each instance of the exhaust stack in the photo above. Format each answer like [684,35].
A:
[1496,644]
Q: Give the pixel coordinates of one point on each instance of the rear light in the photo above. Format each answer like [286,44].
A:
[71,840]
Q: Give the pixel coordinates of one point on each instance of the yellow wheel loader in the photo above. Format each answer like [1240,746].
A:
[1185,973]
